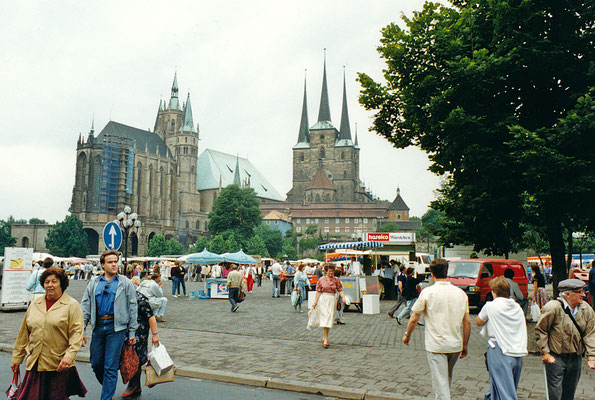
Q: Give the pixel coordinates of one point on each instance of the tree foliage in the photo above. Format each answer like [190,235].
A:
[257,246]
[157,247]
[235,211]
[498,96]
[6,240]
[67,238]
[389,226]
[37,221]
[273,239]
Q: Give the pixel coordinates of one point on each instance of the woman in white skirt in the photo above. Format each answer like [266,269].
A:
[325,303]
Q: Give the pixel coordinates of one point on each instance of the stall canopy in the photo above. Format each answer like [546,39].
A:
[240,258]
[350,245]
[204,257]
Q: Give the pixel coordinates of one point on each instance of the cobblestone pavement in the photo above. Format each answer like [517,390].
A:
[266,337]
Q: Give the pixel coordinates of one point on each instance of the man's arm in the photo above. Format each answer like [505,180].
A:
[466,333]
[542,330]
[133,308]
[410,327]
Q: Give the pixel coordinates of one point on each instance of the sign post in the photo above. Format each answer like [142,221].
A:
[18,265]
[112,236]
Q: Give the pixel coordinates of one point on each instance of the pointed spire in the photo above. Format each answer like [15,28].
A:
[324,112]
[174,86]
[160,104]
[304,133]
[236,173]
[174,104]
[92,131]
[157,118]
[188,125]
[345,131]
[356,135]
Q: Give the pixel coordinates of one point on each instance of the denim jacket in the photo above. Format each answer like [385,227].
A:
[125,306]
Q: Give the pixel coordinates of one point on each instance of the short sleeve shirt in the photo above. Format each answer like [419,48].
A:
[443,306]
[325,285]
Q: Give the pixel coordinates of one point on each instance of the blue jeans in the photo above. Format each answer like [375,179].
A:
[233,297]
[175,285]
[407,310]
[182,282]
[505,373]
[276,285]
[106,346]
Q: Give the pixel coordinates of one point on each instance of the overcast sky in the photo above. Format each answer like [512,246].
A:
[243,63]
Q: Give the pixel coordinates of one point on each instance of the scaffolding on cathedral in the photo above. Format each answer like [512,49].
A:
[117,171]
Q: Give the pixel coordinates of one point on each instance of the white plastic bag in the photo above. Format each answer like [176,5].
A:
[160,360]
[294,298]
[535,312]
[313,319]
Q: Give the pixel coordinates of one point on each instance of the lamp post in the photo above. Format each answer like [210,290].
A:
[579,236]
[127,221]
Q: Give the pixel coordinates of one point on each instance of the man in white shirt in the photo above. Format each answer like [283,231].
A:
[448,326]
[276,270]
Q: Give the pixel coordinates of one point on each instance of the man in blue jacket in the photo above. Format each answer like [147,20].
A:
[109,304]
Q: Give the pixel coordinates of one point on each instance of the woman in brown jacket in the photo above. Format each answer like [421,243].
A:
[50,336]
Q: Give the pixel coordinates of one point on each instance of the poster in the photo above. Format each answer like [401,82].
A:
[18,263]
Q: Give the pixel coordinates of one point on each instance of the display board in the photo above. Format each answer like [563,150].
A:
[18,265]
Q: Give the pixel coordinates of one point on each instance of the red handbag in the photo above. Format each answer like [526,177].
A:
[128,362]
[13,391]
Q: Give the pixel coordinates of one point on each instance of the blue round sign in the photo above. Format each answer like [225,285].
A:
[112,236]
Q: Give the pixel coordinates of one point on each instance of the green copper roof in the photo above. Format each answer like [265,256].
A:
[304,133]
[188,124]
[324,112]
[236,173]
[345,130]
[215,168]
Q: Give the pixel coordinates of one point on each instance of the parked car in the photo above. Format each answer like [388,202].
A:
[474,275]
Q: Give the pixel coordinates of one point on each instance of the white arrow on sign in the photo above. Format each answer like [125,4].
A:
[112,232]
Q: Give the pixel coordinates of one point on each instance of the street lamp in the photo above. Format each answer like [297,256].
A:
[127,221]
[579,236]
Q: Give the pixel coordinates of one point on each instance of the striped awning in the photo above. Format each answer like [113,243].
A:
[350,245]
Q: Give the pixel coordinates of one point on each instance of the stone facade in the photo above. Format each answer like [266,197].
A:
[31,236]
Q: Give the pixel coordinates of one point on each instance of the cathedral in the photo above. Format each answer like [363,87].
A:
[153,172]
[326,160]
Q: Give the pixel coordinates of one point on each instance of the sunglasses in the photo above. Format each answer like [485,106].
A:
[106,288]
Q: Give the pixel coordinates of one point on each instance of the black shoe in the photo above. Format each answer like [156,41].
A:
[398,320]
[420,324]
[340,323]
[235,309]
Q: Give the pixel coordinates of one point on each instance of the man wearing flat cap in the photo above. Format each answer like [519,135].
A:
[565,332]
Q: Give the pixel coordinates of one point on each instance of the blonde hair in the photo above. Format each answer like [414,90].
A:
[500,286]
[136,280]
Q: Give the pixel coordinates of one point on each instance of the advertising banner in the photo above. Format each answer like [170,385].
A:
[392,237]
[17,269]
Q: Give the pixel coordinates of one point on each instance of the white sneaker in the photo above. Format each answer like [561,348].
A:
[175,295]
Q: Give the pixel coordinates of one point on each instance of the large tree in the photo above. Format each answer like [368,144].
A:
[497,94]
[67,238]
[236,211]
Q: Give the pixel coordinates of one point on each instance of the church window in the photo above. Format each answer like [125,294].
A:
[187,225]
[322,137]
[345,174]
[186,139]
[337,229]
[173,125]
[197,225]
[302,157]
[347,220]
[204,226]
[162,182]
[342,155]
[322,152]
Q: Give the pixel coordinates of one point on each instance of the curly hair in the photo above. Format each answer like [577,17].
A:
[58,273]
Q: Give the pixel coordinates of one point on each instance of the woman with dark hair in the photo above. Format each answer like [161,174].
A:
[327,288]
[146,321]
[539,294]
[410,294]
[301,280]
[50,336]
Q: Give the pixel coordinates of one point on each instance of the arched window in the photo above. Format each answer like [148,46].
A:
[197,226]
[204,226]
[162,183]
[345,174]
[302,157]
[322,152]
[342,154]
[187,225]
[173,125]
[139,186]
[81,169]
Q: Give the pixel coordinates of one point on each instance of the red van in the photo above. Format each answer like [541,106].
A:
[473,276]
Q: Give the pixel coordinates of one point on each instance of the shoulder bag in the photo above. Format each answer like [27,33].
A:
[578,328]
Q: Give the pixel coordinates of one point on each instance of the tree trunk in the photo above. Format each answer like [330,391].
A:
[568,251]
[555,238]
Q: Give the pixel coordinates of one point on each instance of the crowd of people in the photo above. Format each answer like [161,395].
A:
[122,310]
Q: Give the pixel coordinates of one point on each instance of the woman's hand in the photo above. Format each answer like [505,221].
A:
[15,367]
[64,364]
[344,301]
[84,341]
[155,338]
[314,305]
